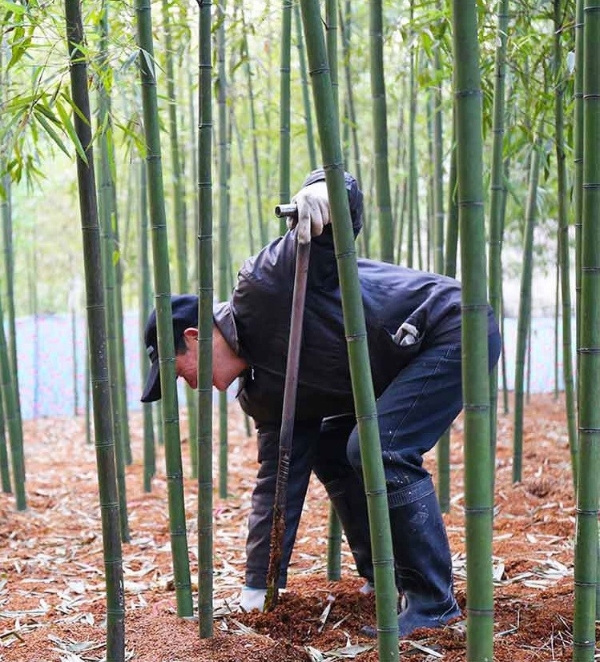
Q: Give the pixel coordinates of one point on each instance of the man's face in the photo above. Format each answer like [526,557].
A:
[186,365]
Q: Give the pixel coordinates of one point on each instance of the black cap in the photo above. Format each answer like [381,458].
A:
[184,308]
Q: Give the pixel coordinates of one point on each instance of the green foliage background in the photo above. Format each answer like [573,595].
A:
[37,140]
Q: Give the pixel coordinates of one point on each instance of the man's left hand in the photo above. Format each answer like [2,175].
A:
[313,211]
[252,598]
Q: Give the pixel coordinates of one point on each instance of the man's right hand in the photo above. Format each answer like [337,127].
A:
[313,211]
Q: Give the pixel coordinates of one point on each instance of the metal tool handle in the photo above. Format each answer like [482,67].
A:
[287,424]
[290,209]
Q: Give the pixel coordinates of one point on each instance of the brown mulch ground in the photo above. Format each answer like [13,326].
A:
[52,606]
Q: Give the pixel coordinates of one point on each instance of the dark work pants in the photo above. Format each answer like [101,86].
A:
[318,446]
[413,412]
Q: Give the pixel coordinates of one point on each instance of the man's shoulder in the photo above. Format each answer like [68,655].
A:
[271,263]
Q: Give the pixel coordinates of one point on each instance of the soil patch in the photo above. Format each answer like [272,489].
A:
[52,604]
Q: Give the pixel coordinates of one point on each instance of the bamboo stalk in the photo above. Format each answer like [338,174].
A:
[105,444]
[354,324]
[497,193]
[204,224]
[345,24]
[524,321]
[145,309]
[224,262]
[563,244]
[162,289]
[285,107]
[586,532]
[106,213]
[380,134]
[478,492]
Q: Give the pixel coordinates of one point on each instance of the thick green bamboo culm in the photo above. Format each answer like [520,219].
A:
[563,236]
[105,208]
[380,133]
[205,326]
[224,262]
[478,491]
[96,316]
[524,320]
[162,289]
[334,529]
[586,535]
[354,323]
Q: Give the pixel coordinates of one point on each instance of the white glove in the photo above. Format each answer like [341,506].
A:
[252,598]
[367,588]
[406,335]
[313,211]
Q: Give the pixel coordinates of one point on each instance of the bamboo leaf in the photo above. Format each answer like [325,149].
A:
[150,63]
[19,45]
[315,654]
[50,131]
[70,130]
[11,7]
[45,110]
[425,649]
[129,62]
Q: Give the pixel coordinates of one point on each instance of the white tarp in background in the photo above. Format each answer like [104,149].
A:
[47,381]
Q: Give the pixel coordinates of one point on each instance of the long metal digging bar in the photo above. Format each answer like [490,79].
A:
[288,411]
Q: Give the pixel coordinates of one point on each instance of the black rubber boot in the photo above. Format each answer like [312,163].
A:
[423,560]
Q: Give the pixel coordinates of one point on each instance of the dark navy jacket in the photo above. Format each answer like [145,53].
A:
[257,322]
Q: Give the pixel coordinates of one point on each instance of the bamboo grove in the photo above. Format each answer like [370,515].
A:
[472,127]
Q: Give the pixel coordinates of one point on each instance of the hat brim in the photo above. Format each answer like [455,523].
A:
[152,389]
